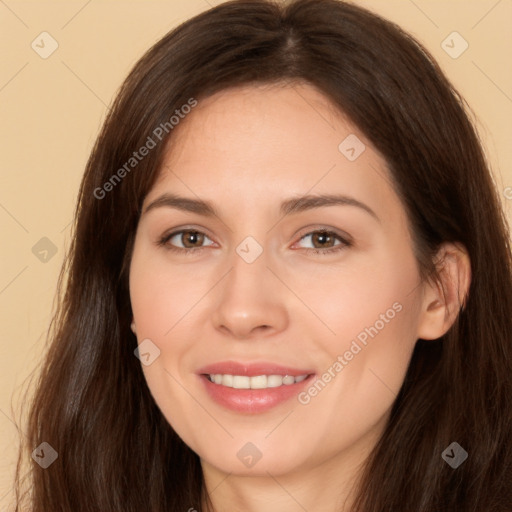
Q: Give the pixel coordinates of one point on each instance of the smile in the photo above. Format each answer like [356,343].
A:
[256,382]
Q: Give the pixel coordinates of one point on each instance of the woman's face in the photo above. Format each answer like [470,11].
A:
[275,283]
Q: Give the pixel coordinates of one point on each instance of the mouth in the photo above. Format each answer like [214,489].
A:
[252,387]
[256,382]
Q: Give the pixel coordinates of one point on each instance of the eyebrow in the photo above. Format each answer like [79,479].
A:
[288,207]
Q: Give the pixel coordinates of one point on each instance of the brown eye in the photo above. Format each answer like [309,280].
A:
[185,240]
[192,237]
[325,241]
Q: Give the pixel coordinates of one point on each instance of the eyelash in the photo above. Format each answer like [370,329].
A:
[163,242]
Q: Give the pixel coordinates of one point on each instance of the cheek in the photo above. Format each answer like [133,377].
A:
[374,315]
[373,296]
[160,293]
[160,300]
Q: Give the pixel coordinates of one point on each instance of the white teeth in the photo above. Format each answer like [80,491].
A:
[259,382]
[274,381]
[256,382]
[241,382]
[227,380]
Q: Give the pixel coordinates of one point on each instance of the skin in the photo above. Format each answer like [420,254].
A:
[245,150]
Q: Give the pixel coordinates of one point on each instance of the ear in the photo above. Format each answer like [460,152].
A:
[443,298]
[133,327]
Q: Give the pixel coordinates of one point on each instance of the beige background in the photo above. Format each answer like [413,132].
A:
[51,110]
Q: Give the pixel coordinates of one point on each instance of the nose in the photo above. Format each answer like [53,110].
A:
[251,301]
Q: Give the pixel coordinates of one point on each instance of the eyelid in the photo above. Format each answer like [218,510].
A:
[166,236]
[344,238]
[309,230]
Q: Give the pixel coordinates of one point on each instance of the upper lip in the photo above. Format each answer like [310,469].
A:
[251,369]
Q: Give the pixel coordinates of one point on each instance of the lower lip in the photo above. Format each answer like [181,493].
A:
[252,401]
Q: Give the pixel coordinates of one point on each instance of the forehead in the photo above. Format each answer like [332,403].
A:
[253,123]
[251,144]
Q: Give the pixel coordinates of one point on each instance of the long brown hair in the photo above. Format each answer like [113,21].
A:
[116,452]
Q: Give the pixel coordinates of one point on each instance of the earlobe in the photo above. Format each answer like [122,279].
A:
[444,298]
[133,327]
